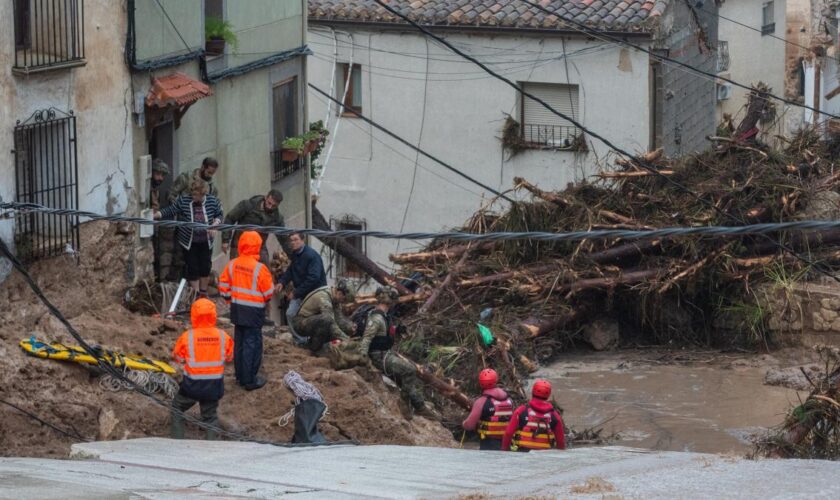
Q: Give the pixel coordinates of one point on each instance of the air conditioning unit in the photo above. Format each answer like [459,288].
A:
[724,91]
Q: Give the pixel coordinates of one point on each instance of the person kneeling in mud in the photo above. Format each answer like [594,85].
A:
[320,318]
[377,341]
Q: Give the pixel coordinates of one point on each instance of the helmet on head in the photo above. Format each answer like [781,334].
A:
[487,378]
[343,286]
[541,389]
[386,295]
[160,166]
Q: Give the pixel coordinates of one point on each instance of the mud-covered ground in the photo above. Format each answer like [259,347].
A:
[69,396]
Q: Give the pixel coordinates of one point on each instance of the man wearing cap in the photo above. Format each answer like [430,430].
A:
[320,317]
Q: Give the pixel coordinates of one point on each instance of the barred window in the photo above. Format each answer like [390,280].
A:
[49,34]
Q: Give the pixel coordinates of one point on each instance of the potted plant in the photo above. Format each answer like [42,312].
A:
[292,148]
[217,33]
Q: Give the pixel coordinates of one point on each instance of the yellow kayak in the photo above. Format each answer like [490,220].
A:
[62,352]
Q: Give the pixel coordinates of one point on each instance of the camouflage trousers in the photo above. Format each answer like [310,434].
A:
[169,255]
[319,329]
[403,372]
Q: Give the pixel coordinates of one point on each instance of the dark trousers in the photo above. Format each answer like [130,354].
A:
[247,353]
[182,403]
[490,444]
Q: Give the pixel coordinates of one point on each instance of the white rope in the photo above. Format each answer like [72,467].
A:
[303,390]
[155,382]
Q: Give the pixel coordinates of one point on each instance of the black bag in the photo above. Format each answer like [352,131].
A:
[359,319]
[307,414]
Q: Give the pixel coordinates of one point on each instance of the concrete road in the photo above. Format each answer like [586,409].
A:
[162,469]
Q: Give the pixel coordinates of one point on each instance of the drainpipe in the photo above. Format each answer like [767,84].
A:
[307,193]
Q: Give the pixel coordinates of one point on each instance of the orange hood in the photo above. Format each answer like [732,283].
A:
[250,243]
[203,314]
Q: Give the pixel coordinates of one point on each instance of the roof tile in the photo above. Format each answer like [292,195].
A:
[176,89]
[616,15]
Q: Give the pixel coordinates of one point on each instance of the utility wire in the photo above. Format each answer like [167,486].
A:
[598,234]
[603,34]
[108,368]
[412,146]
[739,23]
[178,32]
[74,435]
[645,165]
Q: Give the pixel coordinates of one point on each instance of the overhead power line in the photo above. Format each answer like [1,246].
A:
[583,28]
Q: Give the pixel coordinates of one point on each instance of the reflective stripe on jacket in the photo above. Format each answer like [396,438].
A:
[535,430]
[494,418]
[246,283]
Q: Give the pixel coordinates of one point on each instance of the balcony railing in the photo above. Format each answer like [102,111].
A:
[723,56]
[48,34]
[551,136]
[281,168]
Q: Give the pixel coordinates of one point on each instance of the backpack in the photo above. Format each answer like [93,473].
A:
[360,317]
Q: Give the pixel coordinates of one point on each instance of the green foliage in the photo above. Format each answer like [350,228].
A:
[217,28]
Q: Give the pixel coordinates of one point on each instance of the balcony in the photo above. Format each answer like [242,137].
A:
[281,168]
[49,34]
[550,136]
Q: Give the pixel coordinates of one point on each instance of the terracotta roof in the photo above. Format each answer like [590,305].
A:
[615,15]
[176,89]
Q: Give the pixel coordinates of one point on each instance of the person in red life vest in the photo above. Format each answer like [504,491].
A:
[203,351]
[247,286]
[535,425]
[491,412]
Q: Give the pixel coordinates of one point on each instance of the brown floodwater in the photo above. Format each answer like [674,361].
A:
[702,407]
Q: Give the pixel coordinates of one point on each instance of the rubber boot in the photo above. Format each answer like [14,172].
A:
[177,427]
[212,435]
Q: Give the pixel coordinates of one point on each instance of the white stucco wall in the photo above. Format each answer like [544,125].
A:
[455,111]
[98,94]
[753,57]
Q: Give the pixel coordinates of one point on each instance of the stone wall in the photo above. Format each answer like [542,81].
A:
[806,313]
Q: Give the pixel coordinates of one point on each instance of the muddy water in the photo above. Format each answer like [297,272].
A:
[695,407]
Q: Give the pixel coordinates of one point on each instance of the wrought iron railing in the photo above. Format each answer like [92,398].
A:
[554,136]
[48,33]
[46,173]
[281,168]
[722,56]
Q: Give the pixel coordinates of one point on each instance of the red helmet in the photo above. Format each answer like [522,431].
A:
[487,378]
[541,389]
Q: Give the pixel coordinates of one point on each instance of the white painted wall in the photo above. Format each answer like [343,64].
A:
[753,57]
[454,110]
[98,94]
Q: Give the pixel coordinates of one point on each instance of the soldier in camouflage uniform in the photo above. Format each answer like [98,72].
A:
[172,260]
[159,172]
[377,342]
[260,210]
[320,317]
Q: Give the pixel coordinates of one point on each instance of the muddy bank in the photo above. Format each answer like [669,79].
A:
[361,405]
[675,400]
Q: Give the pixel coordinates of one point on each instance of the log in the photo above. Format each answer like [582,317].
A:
[624,252]
[446,253]
[633,173]
[649,157]
[493,278]
[504,353]
[453,273]
[690,270]
[534,328]
[628,278]
[349,252]
[403,299]
[442,387]
[548,196]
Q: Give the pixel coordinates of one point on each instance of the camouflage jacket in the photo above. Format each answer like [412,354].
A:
[321,301]
[250,212]
[375,326]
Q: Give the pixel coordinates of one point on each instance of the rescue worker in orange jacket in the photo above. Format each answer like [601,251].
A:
[536,425]
[203,351]
[491,412]
[247,286]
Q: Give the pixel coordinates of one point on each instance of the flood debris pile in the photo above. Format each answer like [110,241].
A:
[548,296]
[812,428]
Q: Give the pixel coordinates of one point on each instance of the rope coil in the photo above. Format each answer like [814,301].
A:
[303,390]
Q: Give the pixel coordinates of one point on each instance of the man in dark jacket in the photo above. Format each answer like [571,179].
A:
[258,210]
[306,273]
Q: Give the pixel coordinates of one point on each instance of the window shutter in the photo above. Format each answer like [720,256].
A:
[563,98]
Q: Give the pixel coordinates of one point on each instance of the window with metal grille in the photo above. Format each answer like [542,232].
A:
[353,99]
[46,173]
[541,127]
[49,34]
[768,20]
[285,124]
[345,267]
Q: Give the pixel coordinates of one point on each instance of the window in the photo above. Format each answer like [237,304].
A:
[722,56]
[541,127]
[214,8]
[768,22]
[285,121]
[48,34]
[353,100]
[347,268]
[46,174]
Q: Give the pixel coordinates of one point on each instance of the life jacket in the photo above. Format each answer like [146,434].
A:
[495,416]
[380,342]
[535,430]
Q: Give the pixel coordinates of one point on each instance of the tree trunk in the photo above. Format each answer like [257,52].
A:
[622,279]
[453,273]
[535,327]
[347,251]
[548,196]
[623,252]
[446,253]
[493,278]
[441,386]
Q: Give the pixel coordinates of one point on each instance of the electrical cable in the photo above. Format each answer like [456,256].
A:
[603,34]
[178,32]
[739,23]
[400,139]
[31,415]
[108,368]
[596,234]
[607,142]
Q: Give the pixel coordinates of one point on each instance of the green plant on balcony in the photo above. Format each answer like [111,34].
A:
[217,33]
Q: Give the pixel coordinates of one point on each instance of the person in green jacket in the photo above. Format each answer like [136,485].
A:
[261,210]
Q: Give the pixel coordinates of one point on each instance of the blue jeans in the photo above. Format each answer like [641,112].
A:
[247,353]
[291,312]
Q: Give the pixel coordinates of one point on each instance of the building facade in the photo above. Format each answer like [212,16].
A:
[431,97]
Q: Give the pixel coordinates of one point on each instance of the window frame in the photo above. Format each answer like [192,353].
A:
[54,36]
[768,22]
[351,90]
[350,222]
[524,127]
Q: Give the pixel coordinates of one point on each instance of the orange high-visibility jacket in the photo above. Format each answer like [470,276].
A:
[203,349]
[246,283]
